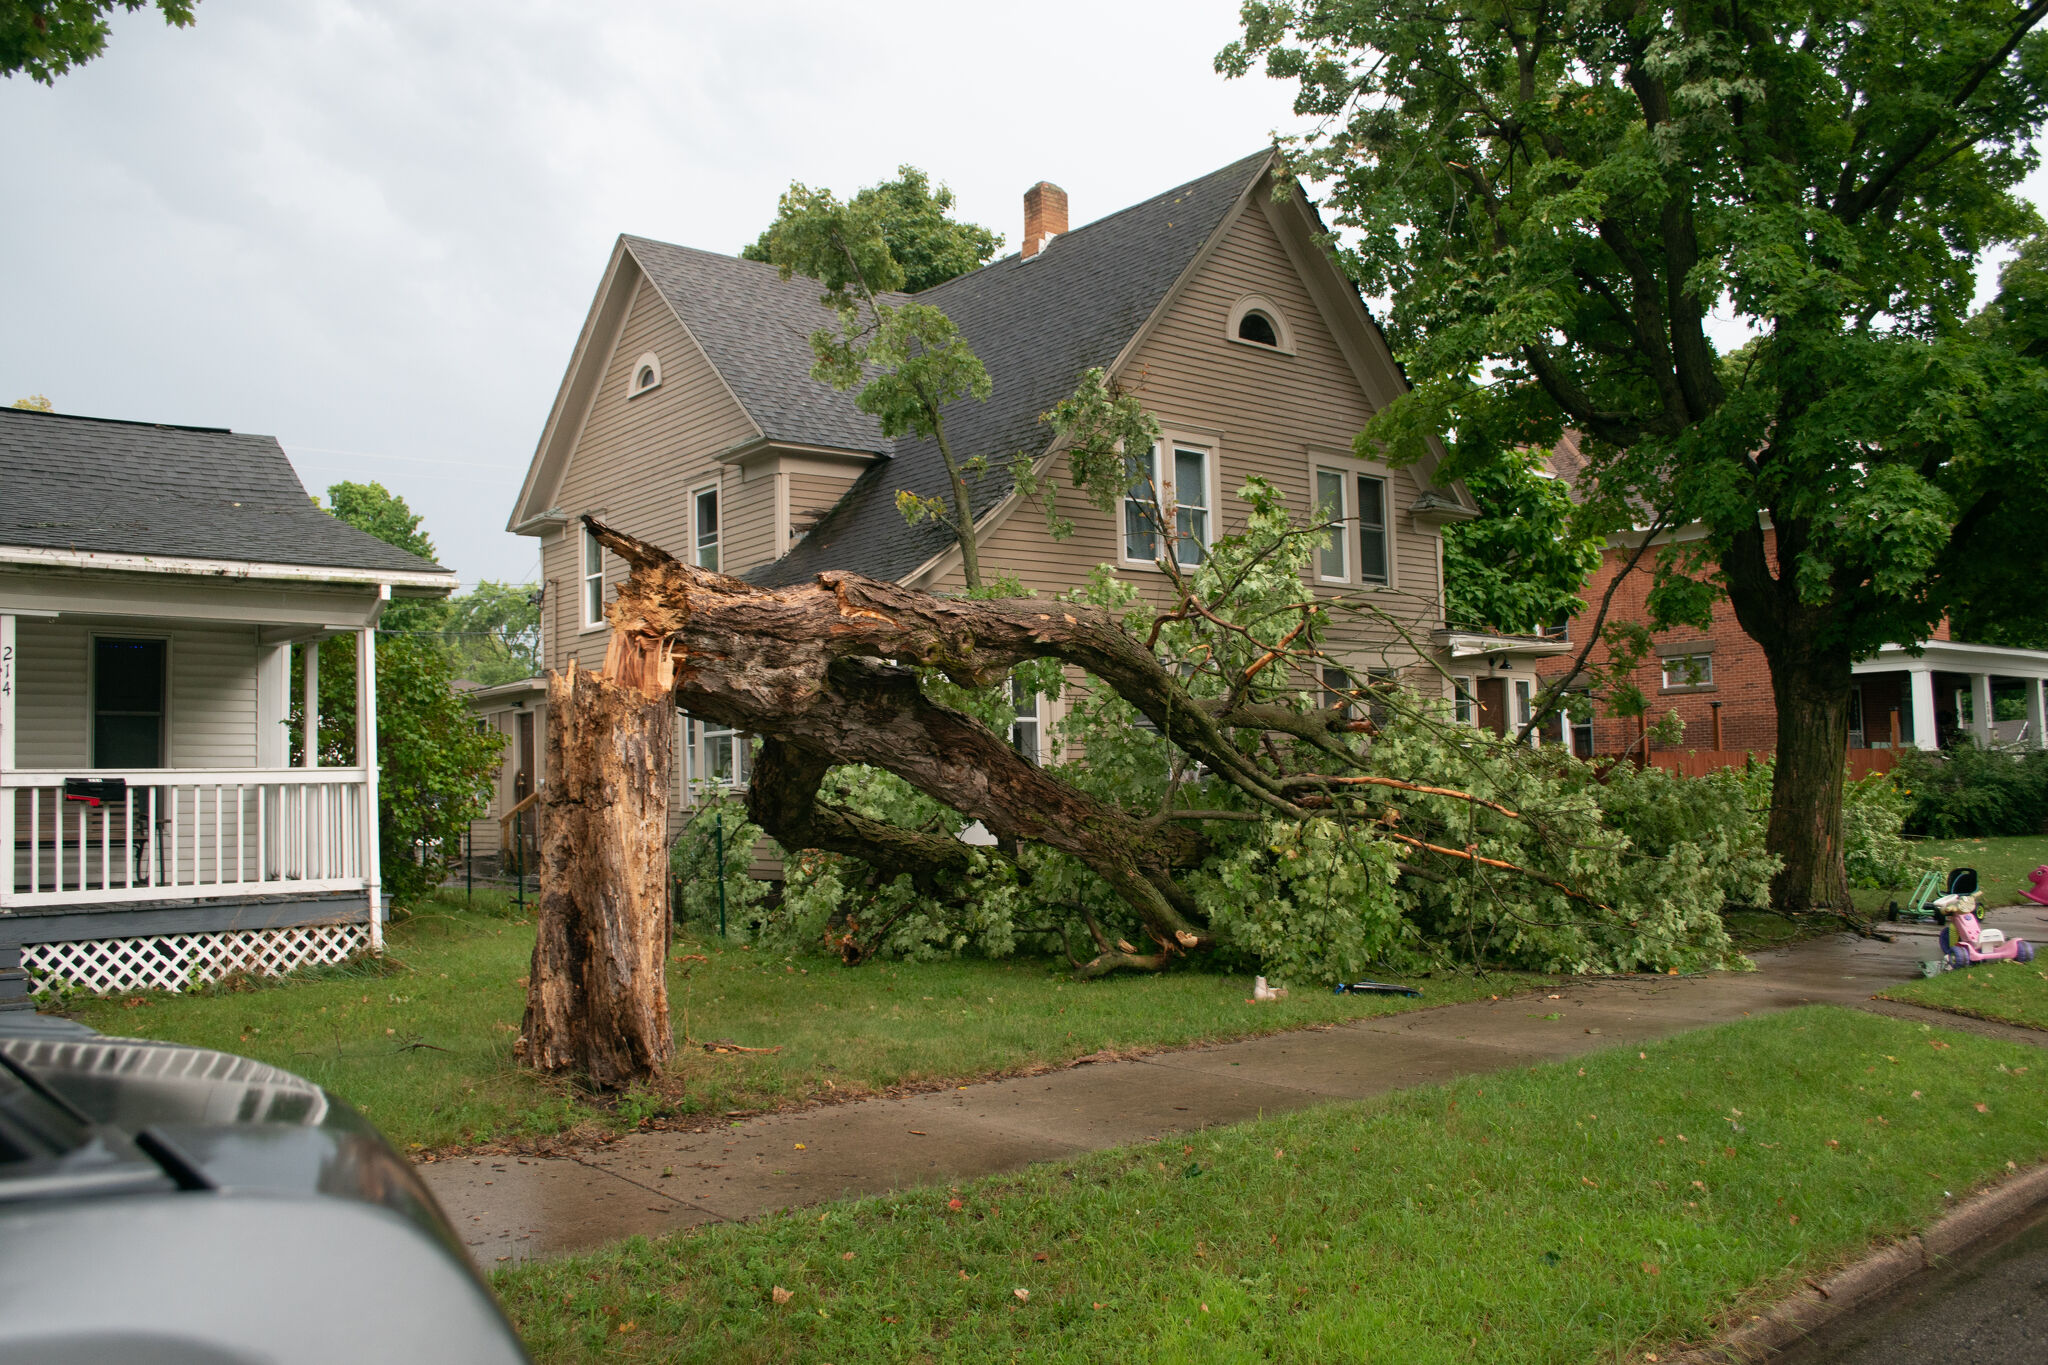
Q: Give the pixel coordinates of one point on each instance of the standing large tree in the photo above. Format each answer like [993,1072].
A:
[1556,195]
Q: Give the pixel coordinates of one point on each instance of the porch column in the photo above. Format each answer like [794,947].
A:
[366,755]
[13,981]
[309,712]
[2035,739]
[1921,685]
[1980,708]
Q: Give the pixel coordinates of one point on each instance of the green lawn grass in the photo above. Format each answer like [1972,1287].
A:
[423,1042]
[2012,992]
[2002,866]
[1589,1210]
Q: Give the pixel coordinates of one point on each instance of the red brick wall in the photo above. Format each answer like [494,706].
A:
[1742,680]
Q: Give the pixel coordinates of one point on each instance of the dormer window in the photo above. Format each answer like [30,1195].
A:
[646,375]
[1254,321]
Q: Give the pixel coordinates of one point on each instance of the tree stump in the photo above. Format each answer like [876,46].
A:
[597,993]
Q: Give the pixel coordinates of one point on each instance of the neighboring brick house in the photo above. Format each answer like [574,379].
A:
[1719,683]
[689,417]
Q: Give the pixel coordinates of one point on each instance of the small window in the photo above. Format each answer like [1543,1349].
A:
[726,755]
[1461,693]
[646,375]
[1255,321]
[1337,690]
[1141,507]
[128,703]
[707,528]
[1524,698]
[1380,686]
[593,580]
[1330,513]
[1190,505]
[1688,670]
[1372,529]
[1025,730]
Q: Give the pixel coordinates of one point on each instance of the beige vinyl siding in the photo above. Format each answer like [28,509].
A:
[1265,413]
[637,461]
[811,496]
[212,702]
[749,537]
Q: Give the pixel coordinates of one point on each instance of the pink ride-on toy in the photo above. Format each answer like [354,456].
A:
[1964,942]
[2037,892]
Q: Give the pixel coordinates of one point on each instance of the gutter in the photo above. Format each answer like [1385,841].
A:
[36,557]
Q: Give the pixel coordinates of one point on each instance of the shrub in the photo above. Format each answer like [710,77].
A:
[1971,792]
[695,863]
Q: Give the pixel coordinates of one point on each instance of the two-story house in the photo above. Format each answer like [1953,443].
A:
[689,417]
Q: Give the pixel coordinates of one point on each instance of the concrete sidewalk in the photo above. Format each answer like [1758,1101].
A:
[511,1208]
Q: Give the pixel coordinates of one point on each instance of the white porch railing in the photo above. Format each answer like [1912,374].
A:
[181,834]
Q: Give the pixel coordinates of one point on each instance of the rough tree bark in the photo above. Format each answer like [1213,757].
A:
[597,993]
[1811,675]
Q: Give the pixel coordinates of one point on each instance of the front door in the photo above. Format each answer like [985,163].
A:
[1493,704]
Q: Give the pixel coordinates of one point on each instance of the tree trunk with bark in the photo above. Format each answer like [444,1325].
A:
[597,993]
[1810,682]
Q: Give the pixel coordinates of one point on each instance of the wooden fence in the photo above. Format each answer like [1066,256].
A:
[1700,762]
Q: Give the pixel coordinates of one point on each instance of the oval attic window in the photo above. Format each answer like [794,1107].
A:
[1257,327]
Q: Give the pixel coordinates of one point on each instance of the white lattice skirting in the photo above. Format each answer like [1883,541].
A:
[176,962]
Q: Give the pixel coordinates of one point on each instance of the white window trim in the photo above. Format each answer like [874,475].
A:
[1255,303]
[647,360]
[1351,467]
[584,543]
[1341,537]
[1211,447]
[1691,683]
[1464,698]
[717,488]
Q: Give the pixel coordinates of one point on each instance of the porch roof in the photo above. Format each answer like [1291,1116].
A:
[92,492]
[1955,656]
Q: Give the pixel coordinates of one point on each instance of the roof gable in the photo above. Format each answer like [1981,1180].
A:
[84,483]
[1037,323]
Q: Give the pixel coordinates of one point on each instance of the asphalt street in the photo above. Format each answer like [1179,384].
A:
[1989,1309]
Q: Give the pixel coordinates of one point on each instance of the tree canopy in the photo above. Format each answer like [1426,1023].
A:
[434,765]
[43,39]
[911,217]
[1558,196]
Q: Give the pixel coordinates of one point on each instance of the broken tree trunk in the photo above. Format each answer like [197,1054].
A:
[597,994]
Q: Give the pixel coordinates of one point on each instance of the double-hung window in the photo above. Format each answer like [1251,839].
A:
[1353,508]
[1372,529]
[128,703]
[706,512]
[1190,505]
[593,580]
[1461,690]
[1688,670]
[1024,731]
[725,757]
[1147,500]
[1141,506]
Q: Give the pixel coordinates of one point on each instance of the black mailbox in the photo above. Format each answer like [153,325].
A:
[96,791]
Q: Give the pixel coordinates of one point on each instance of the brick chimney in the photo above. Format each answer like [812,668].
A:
[1045,215]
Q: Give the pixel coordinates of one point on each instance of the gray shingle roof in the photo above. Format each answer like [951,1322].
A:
[1036,324]
[85,483]
[756,328]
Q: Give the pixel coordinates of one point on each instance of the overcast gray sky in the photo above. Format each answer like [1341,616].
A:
[372,229]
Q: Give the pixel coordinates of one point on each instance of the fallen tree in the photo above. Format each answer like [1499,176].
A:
[1271,798]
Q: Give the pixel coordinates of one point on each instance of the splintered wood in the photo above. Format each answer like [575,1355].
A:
[597,995]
